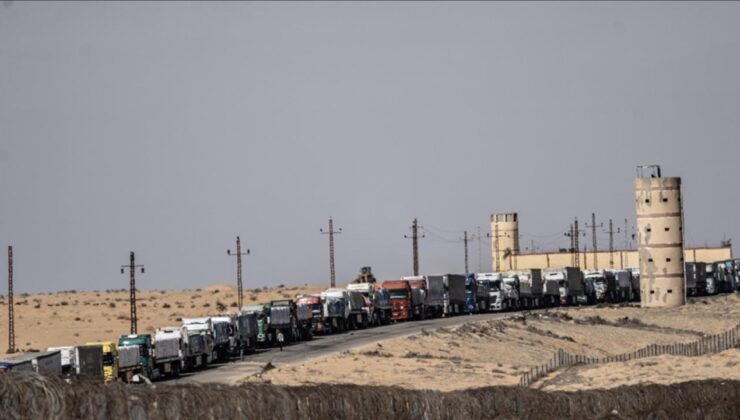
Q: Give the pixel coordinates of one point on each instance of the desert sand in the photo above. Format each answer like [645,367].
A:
[73,318]
[496,352]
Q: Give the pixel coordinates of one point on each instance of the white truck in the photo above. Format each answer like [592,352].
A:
[67,357]
[201,326]
[335,304]
[495,286]
[168,355]
[510,292]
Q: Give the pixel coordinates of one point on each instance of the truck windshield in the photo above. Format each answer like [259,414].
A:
[495,285]
[399,295]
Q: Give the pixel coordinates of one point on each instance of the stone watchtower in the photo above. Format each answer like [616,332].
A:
[660,238]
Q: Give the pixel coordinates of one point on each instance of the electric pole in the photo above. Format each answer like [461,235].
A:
[480,252]
[415,244]
[496,247]
[11,316]
[573,234]
[593,227]
[331,232]
[239,286]
[611,233]
[626,235]
[465,240]
[132,294]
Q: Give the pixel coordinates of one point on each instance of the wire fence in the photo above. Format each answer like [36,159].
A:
[707,345]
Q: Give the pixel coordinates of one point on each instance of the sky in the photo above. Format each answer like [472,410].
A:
[170,128]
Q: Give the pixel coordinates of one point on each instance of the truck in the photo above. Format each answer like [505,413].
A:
[263,340]
[711,278]
[624,284]
[403,306]
[483,294]
[435,296]
[510,291]
[204,327]
[48,363]
[604,283]
[635,282]
[454,293]
[358,309]
[18,364]
[195,347]
[168,351]
[530,288]
[303,322]
[377,302]
[696,281]
[67,358]
[550,290]
[222,330]
[569,280]
[155,362]
[418,292]
[313,302]
[336,310]
[102,361]
[494,289]
[471,294]
[281,323]
[246,332]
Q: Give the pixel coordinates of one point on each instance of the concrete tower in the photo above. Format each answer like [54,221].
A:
[660,238]
[504,240]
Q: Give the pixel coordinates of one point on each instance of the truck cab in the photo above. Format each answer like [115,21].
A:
[471,294]
[494,289]
[510,291]
[400,296]
[144,342]
[313,302]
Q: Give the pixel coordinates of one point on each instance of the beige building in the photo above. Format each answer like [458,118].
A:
[618,259]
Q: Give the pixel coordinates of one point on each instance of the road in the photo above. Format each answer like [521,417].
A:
[320,346]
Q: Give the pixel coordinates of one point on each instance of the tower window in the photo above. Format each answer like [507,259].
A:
[665,199]
[647,200]
[667,229]
[670,290]
[667,260]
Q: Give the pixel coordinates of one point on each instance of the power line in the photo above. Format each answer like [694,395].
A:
[238,255]
[132,292]
[331,232]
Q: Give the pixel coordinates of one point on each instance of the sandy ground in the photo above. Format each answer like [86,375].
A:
[497,352]
[72,318]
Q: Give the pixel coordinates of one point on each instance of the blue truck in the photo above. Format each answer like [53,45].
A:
[471,294]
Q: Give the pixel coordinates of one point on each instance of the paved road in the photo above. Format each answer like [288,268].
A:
[320,346]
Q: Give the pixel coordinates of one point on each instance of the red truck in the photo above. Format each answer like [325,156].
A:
[407,303]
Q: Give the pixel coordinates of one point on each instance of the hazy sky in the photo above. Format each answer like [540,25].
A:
[170,128]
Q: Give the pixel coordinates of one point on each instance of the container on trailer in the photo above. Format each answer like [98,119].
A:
[17,364]
[530,283]
[67,356]
[280,315]
[89,361]
[435,291]
[128,356]
[167,343]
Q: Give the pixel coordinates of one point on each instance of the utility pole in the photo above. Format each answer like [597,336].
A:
[11,316]
[331,232]
[239,286]
[573,234]
[611,233]
[132,293]
[415,244]
[465,240]
[480,252]
[531,249]
[593,227]
[496,246]
[626,235]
